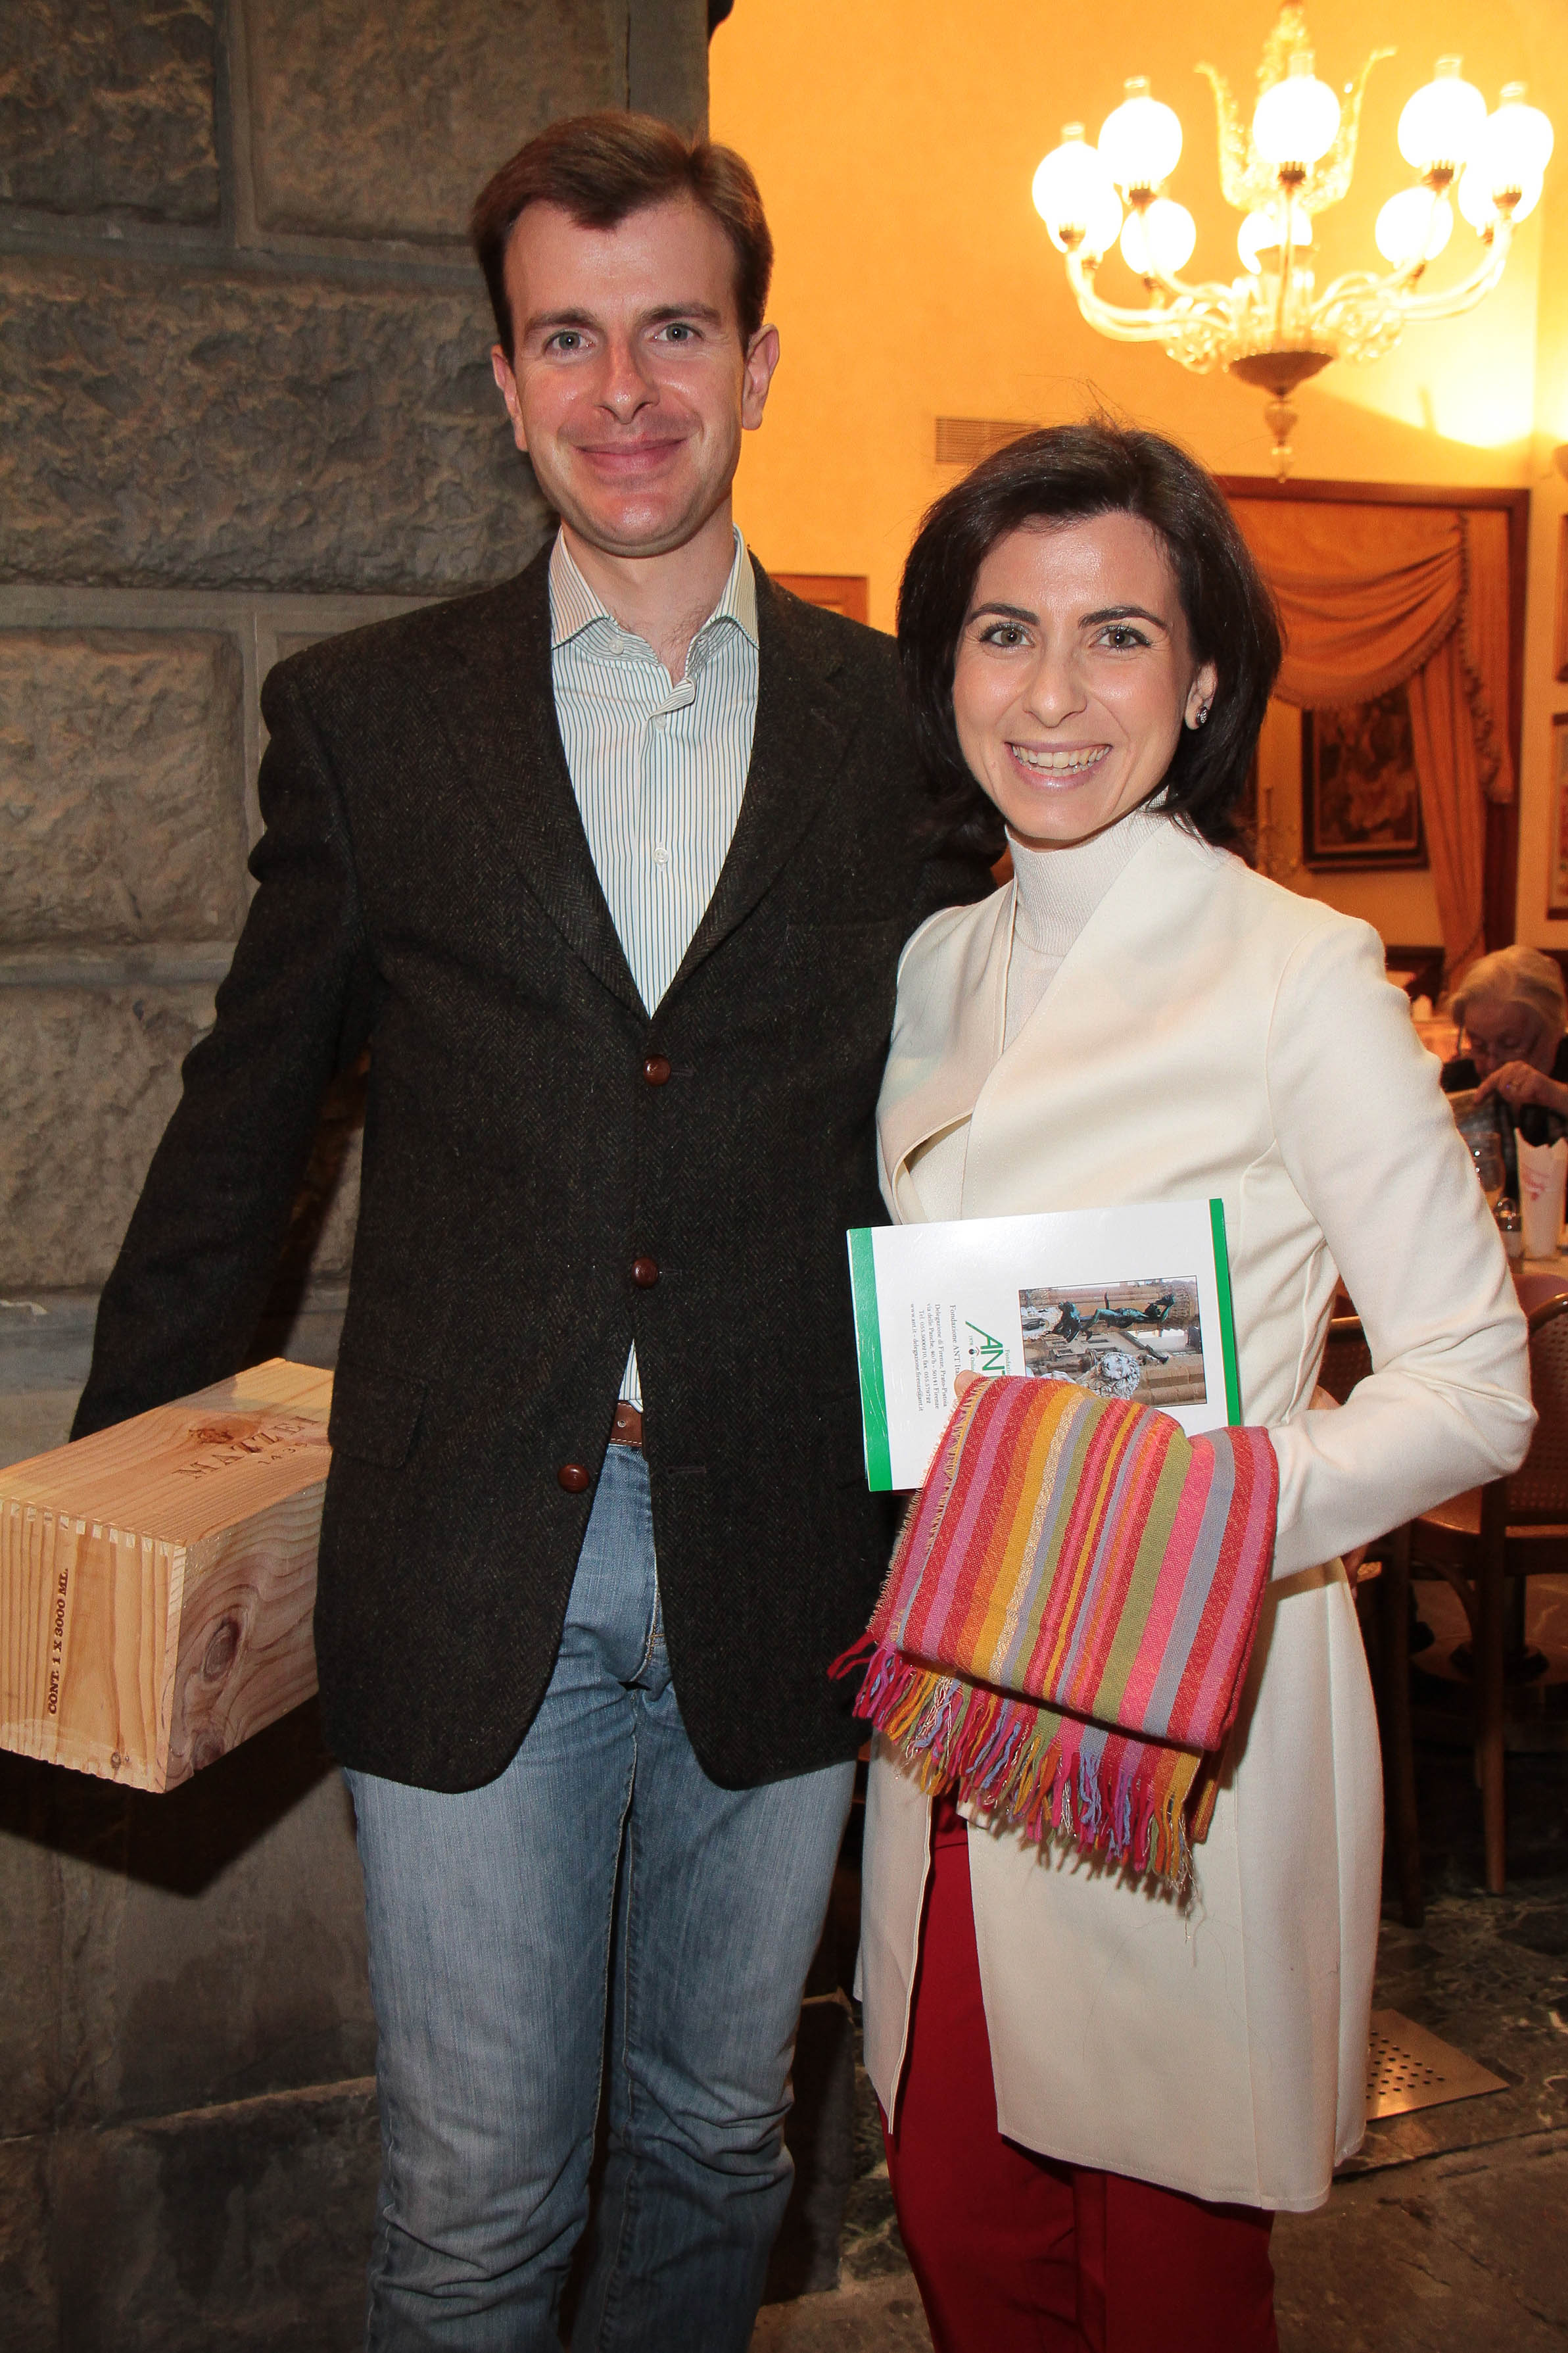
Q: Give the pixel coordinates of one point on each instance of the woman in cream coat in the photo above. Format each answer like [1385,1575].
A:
[1137,1017]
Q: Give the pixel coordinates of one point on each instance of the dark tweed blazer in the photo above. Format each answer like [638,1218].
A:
[426,886]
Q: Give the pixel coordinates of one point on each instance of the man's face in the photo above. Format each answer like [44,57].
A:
[629,387]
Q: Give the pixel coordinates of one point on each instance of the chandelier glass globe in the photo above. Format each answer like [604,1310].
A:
[1140,140]
[1159,240]
[1263,232]
[1513,146]
[1073,196]
[1413,225]
[1478,198]
[1296,121]
[1442,122]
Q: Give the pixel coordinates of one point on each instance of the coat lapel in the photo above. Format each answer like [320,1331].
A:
[1113,1033]
[947,1037]
[497,700]
[802,732]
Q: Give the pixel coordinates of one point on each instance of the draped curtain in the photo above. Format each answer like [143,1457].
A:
[1379,596]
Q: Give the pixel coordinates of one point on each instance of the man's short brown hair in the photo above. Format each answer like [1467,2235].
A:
[602,167]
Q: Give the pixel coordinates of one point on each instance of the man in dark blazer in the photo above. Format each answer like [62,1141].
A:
[609,868]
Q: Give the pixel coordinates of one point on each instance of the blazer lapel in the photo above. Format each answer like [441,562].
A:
[497,700]
[802,732]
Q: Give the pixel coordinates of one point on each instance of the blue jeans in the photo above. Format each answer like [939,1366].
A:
[493,1916]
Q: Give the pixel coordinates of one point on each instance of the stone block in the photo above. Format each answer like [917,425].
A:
[89,1078]
[213,1938]
[30,2303]
[122,787]
[168,427]
[437,98]
[30,1954]
[107,108]
[32,1422]
[242,2225]
[666,61]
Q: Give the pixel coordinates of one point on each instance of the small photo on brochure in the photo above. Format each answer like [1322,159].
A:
[1143,1341]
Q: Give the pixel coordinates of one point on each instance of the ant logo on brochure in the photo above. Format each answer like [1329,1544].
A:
[991,1356]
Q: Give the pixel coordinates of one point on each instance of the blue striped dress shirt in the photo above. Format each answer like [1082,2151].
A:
[659,768]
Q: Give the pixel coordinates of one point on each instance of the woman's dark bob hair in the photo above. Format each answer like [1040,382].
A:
[1065,474]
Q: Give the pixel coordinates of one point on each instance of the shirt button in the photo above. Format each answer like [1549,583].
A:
[655,1069]
[575,1477]
[660,854]
[645,1273]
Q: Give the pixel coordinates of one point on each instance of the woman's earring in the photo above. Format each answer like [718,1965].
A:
[1201,714]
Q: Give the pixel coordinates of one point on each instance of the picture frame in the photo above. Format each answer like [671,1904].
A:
[1360,799]
[1557,888]
[1560,617]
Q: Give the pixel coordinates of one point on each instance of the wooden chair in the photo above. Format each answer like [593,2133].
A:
[1347,1359]
[1513,1528]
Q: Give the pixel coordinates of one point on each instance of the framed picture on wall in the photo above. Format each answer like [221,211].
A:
[1361,803]
[1559,621]
[1557,888]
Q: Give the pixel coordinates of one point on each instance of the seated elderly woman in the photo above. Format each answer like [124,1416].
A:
[1512,1013]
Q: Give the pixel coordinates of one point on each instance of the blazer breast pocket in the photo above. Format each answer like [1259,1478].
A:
[375,1414]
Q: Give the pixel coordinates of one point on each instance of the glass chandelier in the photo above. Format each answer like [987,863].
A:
[1269,325]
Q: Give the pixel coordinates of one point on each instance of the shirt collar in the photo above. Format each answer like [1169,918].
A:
[573,607]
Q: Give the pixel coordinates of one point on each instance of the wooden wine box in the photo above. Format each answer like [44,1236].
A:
[157,1579]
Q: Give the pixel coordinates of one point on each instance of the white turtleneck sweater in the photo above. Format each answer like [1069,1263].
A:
[1057,891]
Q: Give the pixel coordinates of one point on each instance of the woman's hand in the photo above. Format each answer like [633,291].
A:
[1519,1083]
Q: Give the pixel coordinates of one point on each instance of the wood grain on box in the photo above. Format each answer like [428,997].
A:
[157,1579]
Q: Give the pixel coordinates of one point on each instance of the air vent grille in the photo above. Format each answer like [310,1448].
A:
[964,440]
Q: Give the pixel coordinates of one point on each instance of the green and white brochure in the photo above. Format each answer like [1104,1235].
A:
[1131,1302]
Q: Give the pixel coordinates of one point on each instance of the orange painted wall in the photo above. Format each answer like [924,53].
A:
[895,142]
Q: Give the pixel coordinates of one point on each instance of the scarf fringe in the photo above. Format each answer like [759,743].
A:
[1025,1767]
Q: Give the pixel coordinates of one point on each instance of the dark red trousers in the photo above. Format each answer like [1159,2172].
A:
[1017,2253]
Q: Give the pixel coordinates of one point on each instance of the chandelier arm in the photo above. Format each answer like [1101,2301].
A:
[1208,294]
[1360,286]
[1115,319]
[1392,286]
[1451,300]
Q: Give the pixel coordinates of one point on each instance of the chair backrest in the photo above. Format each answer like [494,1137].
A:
[1539,1487]
[1346,1356]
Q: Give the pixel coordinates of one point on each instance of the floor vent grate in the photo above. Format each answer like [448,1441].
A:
[1407,2067]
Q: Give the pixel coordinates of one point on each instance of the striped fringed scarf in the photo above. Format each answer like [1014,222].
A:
[1068,1615]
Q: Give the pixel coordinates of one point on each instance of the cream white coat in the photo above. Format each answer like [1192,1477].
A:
[1210,1033]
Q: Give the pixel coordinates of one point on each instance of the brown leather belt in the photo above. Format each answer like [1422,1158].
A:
[627,1429]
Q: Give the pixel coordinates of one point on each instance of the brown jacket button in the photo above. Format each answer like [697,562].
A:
[575,1477]
[645,1273]
[655,1069]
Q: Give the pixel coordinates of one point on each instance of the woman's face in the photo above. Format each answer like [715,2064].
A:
[1073,676]
[1500,1029]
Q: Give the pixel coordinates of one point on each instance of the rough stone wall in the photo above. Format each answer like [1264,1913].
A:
[244,380]
[244,365]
